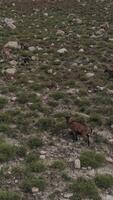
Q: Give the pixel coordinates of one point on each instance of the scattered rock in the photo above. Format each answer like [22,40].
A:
[68,195]
[77,164]
[60,33]
[81,50]
[35,190]
[10,23]
[89,75]
[32,48]
[13,45]
[42,152]
[62,51]
[110,92]
[10,71]
[109,159]
[107,197]
[42,157]
[13,62]
[79,21]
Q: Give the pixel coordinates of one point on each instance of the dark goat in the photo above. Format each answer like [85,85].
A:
[109,70]
[78,129]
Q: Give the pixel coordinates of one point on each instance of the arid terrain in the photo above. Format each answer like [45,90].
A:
[56,60]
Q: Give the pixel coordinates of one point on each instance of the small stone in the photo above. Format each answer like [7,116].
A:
[10,23]
[35,190]
[89,75]
[109,159]
[45,14]
[42,152]
[32,48]
[33,58]
[106,197]
[10,71]
[79,21]
[13,98]
[62,51]
[50,71]
[68,195]
[13,62]
[110,92]
[60,33]
[42,157]
[111,126]
[13,45]
[77,164]
[95,68]
[91,173]
[81,50]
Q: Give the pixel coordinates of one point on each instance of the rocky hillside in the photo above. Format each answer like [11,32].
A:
[56,60]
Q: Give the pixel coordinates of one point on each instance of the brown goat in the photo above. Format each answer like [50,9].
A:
[78,129]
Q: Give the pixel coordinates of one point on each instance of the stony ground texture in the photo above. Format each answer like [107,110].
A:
[53,59]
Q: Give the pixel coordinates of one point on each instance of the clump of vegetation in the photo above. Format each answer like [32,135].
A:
[59,164]
[91,158]
[21,151]
[7,152]
[19,171]
[36,166]
[96,119]
[58,95]
[46,123]
[32,157]
[31,182]
[104,181]
[34,142]
[4,128]
[3,102]
[83,188]
[9,195]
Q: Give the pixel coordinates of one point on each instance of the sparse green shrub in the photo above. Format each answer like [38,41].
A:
[104,181]
[4,128]
[58,95]
[3,102]
[31,157]
[59,164]
[96,119]
[34,142]
[31,182]
[36,166]
[7,152]
[66,177]
[18,171]
[21,151]
[9,195]
[91,158]
[5,117]
[83,189]
[46,123]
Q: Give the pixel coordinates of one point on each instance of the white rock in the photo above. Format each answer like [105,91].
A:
[79,21]
[42,157]
[42,152]
[110,92]
[45,14]
[62,51]
[10,23]
[107,197]
[50,71]
[10,71]
[35,190]
[13,45]
[60,32]
[68,195]
[32,48]
[89,75]
[77,164]
[13,62]
[109,159]
[81,50]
